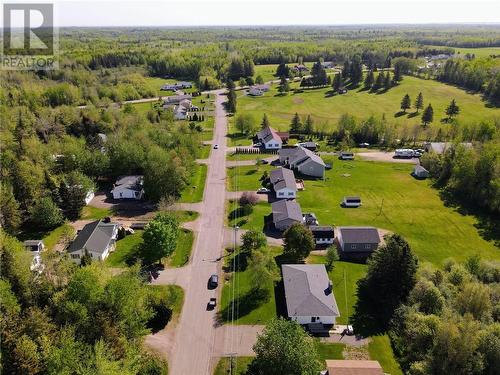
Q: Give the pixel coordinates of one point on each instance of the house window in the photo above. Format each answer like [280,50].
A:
[290,193]
[313,319]
[353,246]
[367,246]
[281,193]
[75,256]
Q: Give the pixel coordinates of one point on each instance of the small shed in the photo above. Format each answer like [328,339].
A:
[420,172]
[34,245]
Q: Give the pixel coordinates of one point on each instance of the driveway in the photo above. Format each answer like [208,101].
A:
[236,339]
[385,156]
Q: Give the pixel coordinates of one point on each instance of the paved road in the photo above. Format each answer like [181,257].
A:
[194,340]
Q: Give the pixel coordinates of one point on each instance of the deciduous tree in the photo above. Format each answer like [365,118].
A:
[298,242]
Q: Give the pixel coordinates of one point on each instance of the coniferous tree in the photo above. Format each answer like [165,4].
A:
[308,125]
[406,103]
[231,101]
[337,82]
[265,122]
[428,115]
[379,82]
[397,73]
[283,70]
[284,86]
[369,80]
[296,125]
[452,109]
[319,77]
[419,102]
[387,81]
[346,71]
[356,70]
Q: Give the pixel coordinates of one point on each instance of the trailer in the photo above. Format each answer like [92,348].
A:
[404,153]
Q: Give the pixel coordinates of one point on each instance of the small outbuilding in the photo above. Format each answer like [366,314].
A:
[420,172]
[323,234]
[352,367]
[357,242]
[35,246]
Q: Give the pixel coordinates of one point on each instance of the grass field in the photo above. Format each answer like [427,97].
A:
[194,191]
[240,366]
[253,221]
[95,213]
[479,52]
[395,201]
[380,350]
[326,111]
[330,350]
[247,177]
[249,307]
[51,238]
[126,252]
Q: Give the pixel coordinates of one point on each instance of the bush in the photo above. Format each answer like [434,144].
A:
[248,198]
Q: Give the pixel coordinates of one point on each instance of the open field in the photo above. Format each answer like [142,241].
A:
[326,111]
[251,307]
[478,52]
[253,221]
[395,201]
[127,249]
[194,191]
[95,213]
[246,177]
[241,365]
[380,350]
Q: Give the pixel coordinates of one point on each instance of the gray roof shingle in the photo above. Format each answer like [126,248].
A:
[307,290]
[284,209]
[282,178]
[94,236]
[268,133]
[359,234]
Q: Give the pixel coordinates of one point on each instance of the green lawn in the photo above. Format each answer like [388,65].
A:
[326,111]
[246,177]
[183,250]
[380,350]
[253,221]
[330,350]
[185,216]
[234,156]
[249,307]
[194,191]
[240,366]
[126,252]
[95,213]
[51,238]
[395,201]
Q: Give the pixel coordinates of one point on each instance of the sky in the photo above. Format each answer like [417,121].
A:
[271,12]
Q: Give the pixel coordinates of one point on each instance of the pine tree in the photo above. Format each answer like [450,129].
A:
[356,71]
[397,73]
[231,101]
[265,122]
[346,71]
[419,103]
[296,125]
[452,109]
[379,82]
[369,80]
[387,81]
[337,82]
[284,86]
[428,115]
[406,103]
[308,125]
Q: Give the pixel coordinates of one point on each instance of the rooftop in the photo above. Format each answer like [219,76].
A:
[284,209]
[94,236]
[359,234]
[282,178]
[353,367]
[134,182]
[308,290]
[267,134]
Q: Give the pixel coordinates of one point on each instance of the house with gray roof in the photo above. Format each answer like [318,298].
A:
[128,187]
[303,160]
[269,138]
[283,181]
[97,238]
[285,213]
[357,242]
[309,294]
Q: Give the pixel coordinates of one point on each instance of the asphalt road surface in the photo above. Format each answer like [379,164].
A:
[195,337]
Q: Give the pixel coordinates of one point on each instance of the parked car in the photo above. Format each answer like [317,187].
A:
[349,331]
[263,190]
[213,281]
[212,303]
[258,144]
[216,146]
[264,161]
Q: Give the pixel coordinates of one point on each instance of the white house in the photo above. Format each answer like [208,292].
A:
[309,294]
[96,238]
[128,187]
[283,181]
[270,139]
[323,234]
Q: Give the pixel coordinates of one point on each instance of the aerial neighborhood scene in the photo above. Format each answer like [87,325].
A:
[250,188]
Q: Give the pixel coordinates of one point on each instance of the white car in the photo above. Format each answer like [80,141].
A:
[258,144]
[216,146]
[263,190]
